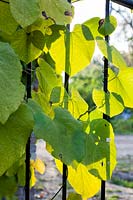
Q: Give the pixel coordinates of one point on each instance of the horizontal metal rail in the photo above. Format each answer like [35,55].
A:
[125,3]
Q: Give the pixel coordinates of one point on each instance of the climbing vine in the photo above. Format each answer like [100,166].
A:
[35,32]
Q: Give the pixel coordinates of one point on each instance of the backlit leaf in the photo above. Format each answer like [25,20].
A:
[32,177]
[13,137]
[122,84]
[107,103]
[111,53]
[81,50]
[77,106]
[80,179]
[38,165]
[25,12]
[11,88]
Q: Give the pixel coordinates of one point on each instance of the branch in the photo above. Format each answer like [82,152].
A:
[88,111]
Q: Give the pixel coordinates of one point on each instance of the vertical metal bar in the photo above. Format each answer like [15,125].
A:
[105,88]
[27,178]
[66,85]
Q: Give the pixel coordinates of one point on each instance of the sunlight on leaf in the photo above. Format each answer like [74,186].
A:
[122,84]
[80,179]
[111,53]
[108,103]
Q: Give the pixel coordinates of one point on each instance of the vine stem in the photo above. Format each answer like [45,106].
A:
[27,176]
[105,88]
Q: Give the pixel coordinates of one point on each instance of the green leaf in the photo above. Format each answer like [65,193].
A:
[60,11]
[25,12]
[122,84]
[74,196]
[111,53]
[8,186]
[7,22]
[13,136]
[92,24]
[11,90]
[107,25]
[38,39]
[108,103]
[47,77]
[81,50]
[63,133]
[100,157]
[80,179]
[23,46]
[77,106]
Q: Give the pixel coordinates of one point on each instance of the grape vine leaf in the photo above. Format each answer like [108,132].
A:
[25,12]
[24,47]
[7,22]
[100,157]
[11,90]
[60,11]
[14,135]
[47,77]
[108,103]
[63,133]
[122,84]
[107,25]
[92,24]
[111,53]
[77,106]
[80,179]
[81,47]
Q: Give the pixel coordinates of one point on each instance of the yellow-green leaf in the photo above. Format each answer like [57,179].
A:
[108,103]
[80,179]
[38,166]
[111,53]
[23,46]
[77,106]
[122,84]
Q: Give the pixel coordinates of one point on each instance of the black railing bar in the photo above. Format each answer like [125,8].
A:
[105,88]
[27,178]
[125,3]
